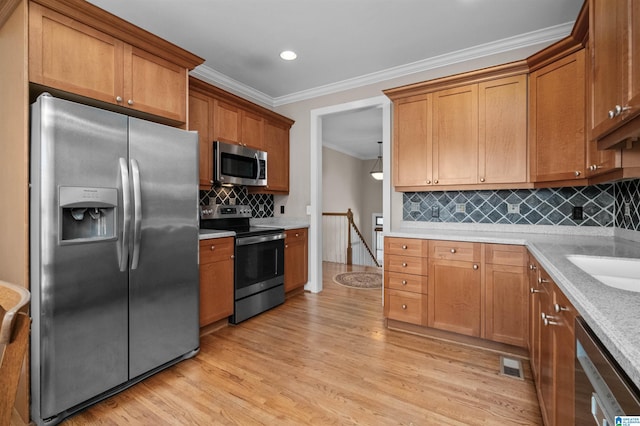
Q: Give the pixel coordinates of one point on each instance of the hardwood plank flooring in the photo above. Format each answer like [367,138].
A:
[324,359]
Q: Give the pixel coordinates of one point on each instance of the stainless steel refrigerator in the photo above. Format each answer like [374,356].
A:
[114,253]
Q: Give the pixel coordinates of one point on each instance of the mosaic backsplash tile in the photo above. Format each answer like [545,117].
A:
[628,205]
[262,205]
[545,206]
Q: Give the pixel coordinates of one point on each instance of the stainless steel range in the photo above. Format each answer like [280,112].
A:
[259,259]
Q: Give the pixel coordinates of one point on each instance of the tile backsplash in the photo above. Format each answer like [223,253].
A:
[262,205]
[602,205]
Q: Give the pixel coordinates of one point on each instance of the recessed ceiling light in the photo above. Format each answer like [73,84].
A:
[288,55]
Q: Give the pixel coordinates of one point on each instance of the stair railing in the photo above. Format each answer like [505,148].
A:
[341,235]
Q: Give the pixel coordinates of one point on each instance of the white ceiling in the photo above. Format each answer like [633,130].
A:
[340,43]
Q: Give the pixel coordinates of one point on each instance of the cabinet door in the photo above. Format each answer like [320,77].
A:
[276,143]
[154,85]
[412,142]
[606,37]
[200,119]
[216,291]
[502,130]
[546,362]
[564,359]
[455,296]
[557,116]
[633,76]
[455,136]
[252,130]
[534,319]
[227,122]
[70,56]
[295,259]
[506,316]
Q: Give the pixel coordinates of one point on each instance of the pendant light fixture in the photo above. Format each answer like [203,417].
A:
[376,170]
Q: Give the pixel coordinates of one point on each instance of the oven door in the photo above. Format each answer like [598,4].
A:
[259,263]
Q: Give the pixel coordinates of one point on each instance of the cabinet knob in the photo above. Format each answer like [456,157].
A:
[594,167]
[213,248]
[118,98]
[233,256]
[481,179]
[453,251]
[404,282]
[617,110]
[532,267]
[404,265]
[533,290]
[475,266]
[404,247]
[428,182]
[404,306]
[542,280]
[286,246]
[577,173]
[130,101]
[211,181]
[297,235]
[435,181]
[559,308]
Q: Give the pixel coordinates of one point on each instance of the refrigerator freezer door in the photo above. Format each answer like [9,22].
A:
[79,303]
[163,288]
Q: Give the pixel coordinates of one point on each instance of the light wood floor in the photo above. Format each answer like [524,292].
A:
[324,359]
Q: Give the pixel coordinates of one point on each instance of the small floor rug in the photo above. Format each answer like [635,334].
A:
[359,279]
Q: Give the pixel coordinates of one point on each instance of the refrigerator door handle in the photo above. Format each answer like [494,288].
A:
[126,212]
[137,213]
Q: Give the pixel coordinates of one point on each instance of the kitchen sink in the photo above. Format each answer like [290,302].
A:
[618,272]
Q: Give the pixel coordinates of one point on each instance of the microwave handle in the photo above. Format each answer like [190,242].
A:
[258,164]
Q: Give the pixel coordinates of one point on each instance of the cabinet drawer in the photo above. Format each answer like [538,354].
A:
[407,307]
[296,236]
[216,249]
[455,250]
[502,254]
[405,282]
[405,246]
[405,264]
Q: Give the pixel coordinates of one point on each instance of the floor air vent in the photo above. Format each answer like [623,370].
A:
[511,367]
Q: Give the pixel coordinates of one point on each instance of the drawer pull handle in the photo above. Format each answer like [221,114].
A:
[559,308]
[404,306]
[404,265]
[475,266]
[404,247]
[404,282]
[453,251]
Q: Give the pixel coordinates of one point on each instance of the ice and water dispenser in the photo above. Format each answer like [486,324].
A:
[87,214]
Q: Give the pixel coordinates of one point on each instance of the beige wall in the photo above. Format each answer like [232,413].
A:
[299,194]
[346,183]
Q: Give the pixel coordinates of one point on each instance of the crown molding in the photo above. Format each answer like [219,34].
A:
[546,35]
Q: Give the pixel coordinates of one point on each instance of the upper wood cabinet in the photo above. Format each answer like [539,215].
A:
[614,34]
[557,120]
[85,59]
[218,115]
[465,131]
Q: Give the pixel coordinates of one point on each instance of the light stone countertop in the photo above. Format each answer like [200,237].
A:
[613,314]
[207,234]
[281,222]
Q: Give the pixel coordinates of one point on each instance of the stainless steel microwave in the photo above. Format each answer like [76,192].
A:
[239,165]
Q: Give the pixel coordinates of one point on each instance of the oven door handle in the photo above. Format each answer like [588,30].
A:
[257,239]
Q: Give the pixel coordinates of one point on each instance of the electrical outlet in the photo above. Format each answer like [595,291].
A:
[461,208]
[435,211]
[577,213]
[415,207]
[513,208]
[281,209]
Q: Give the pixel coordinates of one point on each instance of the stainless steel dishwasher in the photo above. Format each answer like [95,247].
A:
[603,391]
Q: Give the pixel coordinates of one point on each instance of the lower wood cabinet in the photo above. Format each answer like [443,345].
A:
[552,347]
[455,287]
[295,259]
[506,294]
[216,279]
